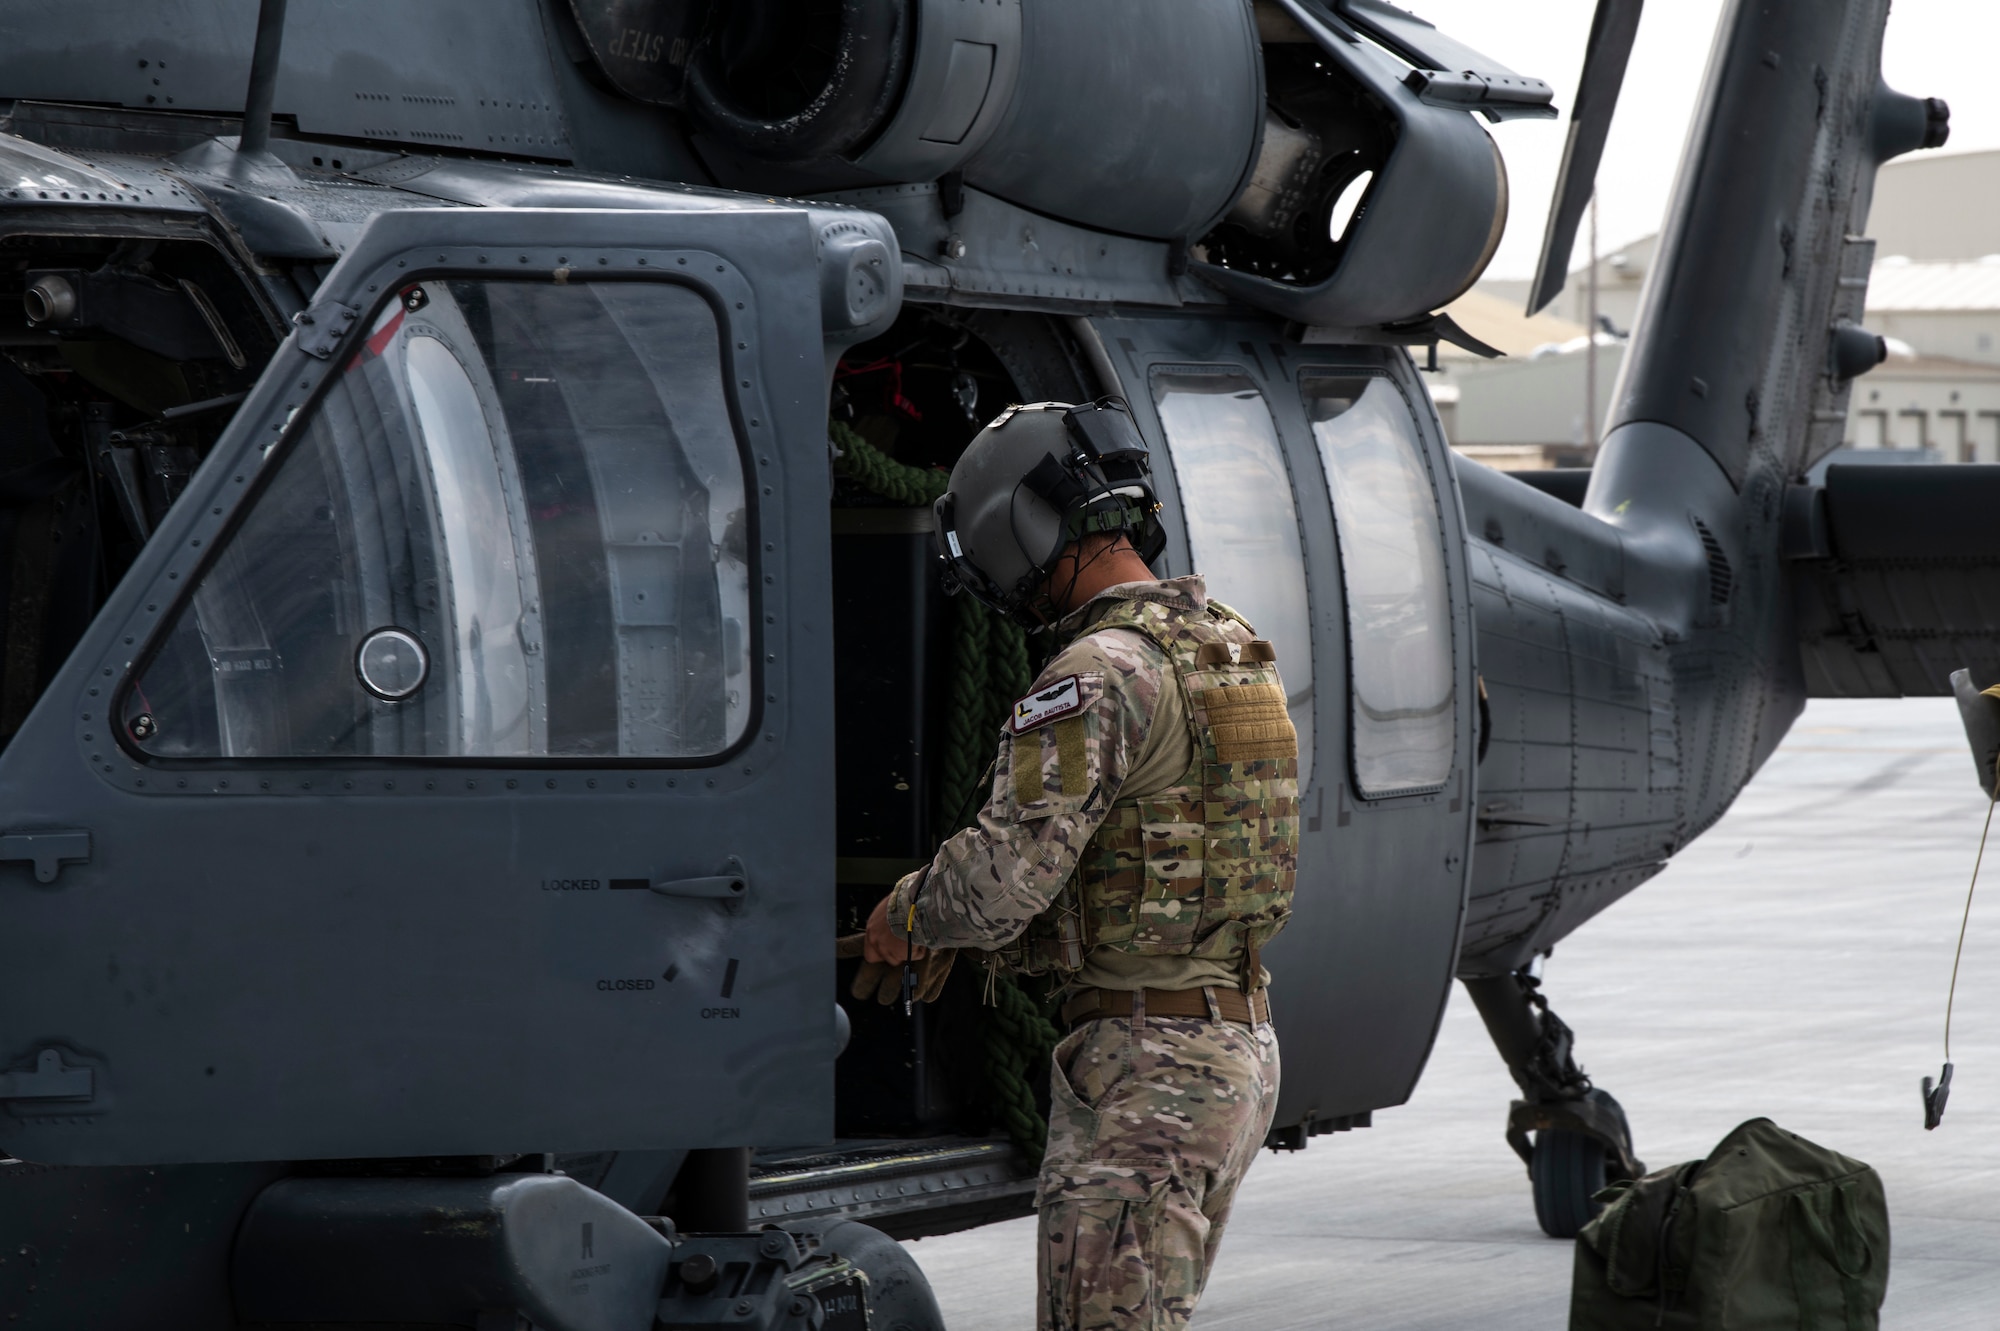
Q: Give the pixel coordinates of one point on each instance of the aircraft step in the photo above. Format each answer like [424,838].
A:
[907,1188]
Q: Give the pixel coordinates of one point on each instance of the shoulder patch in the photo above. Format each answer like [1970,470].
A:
[1060,699]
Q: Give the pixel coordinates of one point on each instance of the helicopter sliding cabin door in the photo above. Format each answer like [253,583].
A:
[1309,485]
[451,774]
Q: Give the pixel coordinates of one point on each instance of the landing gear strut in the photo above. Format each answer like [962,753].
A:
[1580,1139]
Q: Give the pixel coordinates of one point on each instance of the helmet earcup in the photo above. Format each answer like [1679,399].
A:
[1006,531]
[1033,481]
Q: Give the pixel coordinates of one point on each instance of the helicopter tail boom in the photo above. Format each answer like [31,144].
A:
[1649,639]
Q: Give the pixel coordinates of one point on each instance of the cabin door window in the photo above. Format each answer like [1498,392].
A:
[1243,524]
[515,527]
[1385,511]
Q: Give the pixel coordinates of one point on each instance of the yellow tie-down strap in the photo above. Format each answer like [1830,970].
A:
[1249,722]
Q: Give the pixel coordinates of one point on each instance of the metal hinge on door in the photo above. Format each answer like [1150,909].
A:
[48,851]
[322,326]
[50,1080]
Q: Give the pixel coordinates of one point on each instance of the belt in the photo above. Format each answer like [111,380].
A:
[1212,1004]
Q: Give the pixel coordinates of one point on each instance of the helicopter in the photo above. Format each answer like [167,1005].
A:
[473,639]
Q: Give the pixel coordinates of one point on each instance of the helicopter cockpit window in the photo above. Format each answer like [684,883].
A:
[1243,524]
[514,527]
[1392,557]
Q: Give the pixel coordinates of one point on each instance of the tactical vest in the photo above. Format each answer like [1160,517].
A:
[1205,868]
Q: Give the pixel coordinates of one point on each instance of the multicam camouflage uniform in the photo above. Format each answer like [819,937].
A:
[1141,835]
[1153,1121]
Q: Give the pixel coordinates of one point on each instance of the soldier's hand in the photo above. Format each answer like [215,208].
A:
[869,976]
[932,972]
[883,981]
[881,943]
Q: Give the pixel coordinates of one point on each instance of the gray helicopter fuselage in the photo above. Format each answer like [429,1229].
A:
[327,912]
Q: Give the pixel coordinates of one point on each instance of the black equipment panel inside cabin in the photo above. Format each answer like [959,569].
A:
[888,624]
[920,1074]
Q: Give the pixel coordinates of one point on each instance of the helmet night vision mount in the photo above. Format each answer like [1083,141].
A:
[1038,478]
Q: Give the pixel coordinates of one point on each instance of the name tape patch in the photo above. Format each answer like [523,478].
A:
[1059,699]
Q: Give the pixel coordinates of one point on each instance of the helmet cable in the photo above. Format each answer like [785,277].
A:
[1935,1095]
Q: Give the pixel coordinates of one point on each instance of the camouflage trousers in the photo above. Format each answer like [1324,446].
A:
[1153,1122]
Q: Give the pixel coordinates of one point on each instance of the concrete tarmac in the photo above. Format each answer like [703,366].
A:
[1791,963]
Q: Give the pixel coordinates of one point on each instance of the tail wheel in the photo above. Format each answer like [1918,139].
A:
[1567,1169]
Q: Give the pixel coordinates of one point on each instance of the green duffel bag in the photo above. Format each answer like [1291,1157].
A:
[1770,1233]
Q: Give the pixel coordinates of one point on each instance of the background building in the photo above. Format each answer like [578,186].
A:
[1621,276]
[1934,292]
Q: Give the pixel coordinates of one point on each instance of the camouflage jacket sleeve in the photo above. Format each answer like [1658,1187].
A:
[1052,785]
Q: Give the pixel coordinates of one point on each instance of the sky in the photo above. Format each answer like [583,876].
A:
[1933,49]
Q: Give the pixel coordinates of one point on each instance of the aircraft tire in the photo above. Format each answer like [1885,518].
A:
[1567,1169]
[899,1297]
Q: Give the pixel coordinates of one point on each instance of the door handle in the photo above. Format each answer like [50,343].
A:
[717,887]
[48,851]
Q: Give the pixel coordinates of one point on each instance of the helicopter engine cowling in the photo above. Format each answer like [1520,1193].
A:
[892,89]
[1306,170]
[817,81]
[1374,200]
[1092,111]
[1127,123]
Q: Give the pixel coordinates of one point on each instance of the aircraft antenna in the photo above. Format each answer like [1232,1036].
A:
[263,77]
[1592,420]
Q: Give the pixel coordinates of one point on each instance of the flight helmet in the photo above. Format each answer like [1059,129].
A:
[1038,478]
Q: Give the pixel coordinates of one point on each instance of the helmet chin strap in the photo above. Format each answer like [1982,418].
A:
[1061,605]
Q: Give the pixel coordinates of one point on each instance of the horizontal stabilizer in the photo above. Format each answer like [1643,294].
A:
[1896,578]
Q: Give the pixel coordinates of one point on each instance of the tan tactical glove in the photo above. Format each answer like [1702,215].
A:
[884,981]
